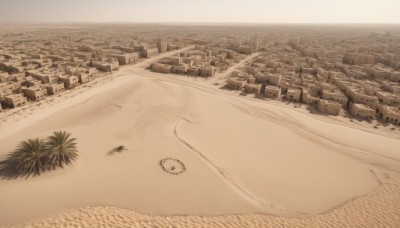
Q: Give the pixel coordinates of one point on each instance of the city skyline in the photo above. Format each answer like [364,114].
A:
[224,11]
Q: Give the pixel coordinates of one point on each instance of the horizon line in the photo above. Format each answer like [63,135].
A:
[197,23]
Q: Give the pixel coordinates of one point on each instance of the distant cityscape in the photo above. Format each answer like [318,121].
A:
[357,74]
[334,72]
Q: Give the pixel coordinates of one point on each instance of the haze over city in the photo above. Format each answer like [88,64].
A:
[206,11]
[177,113]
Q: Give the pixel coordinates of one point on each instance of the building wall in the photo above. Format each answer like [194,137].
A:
[332,108]
[293,95]
[308,99]
[233,84]
[111,65]
[127,58]
[148,53]
[70,82]
[275,80]
[261,78]
[14,100]
[162,46]
[55,88]
[272,92]
[181,69]
[35,94]
[387,99]
[388,115]
[340,98]
[361,111]
[249,88]
[162,68]
[83,78]
[207,71]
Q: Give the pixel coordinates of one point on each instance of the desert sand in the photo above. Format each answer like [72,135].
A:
[378,209]
[244,158]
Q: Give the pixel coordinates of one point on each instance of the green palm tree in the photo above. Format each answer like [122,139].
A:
[61,148]
[30,157]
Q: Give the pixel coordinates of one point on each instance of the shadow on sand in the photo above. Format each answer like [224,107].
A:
[8,169]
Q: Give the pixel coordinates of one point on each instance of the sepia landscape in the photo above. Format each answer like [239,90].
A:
[145,124]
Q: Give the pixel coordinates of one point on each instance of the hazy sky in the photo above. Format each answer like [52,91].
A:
[245,11]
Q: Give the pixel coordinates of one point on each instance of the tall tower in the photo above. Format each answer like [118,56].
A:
[162,46]
[256,42]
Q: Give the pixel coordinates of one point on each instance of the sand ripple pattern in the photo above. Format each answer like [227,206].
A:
[378,209]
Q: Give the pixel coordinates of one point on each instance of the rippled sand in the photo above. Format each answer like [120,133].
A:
[378,209]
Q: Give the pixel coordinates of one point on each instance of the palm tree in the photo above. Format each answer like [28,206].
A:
[61,148]
[30,157]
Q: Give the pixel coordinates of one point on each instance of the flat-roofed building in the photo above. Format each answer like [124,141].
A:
[275,79]
[358,58]
[35,93]
[9,87]
[309,97]
[387,98]
[268,78]
[194,71]
[162,46]
[30,81]
[293,94]
[334,95]
[207,71]
[162,68]
[252,88]
[329,107]
[107,65]
[361,110]
[388,114]
[378,71]
[44,77]
[15,100]
[189,62]
[54,88]
[358,95]
[261,78]
[235,84]
[127,58]
[69,81]
[272,92]
[179,69]
[178,60]
[83,78]
[150,52]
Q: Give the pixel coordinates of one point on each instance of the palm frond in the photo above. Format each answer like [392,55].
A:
[61,148]
[30,157]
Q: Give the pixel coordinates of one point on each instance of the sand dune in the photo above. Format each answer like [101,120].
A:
[242,157]
[378,209]
[266,157]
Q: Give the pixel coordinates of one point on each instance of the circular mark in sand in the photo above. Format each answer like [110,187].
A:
[172,166]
